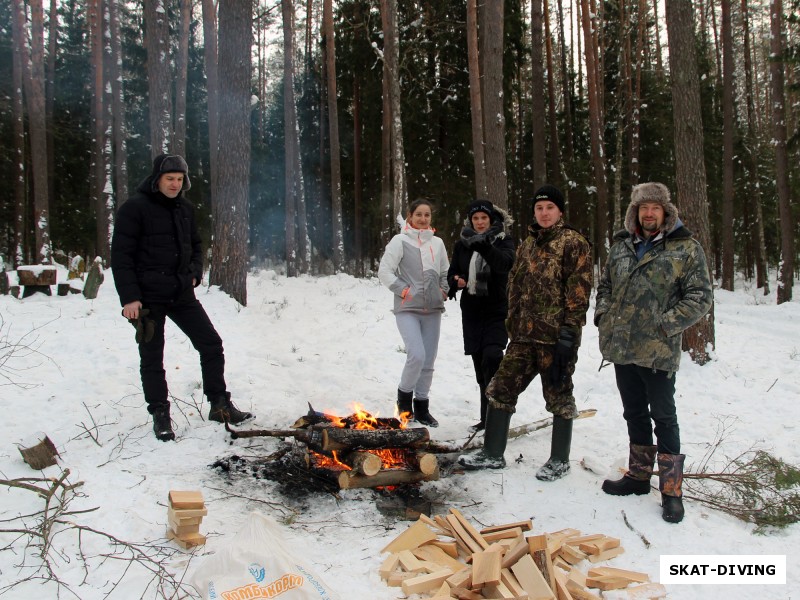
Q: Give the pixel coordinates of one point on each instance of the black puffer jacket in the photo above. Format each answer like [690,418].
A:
[156,251]
[483,317]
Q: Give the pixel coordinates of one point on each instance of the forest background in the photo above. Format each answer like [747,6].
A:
[308,125]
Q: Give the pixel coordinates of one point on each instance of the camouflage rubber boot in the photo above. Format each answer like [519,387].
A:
[404,404]
[670,480]
[162,425]
[640,470]
[224,411]
[494,443]
[558,464]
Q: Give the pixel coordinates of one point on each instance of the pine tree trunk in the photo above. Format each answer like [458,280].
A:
[728,130]
[475,101]
[182,71]
[566,93]
[754,193]
[539,148]
[52,48]
[20,254]
[387,189]
[38,136]
[119,130]
[690,175]
[776,66]
[231,226]
[494,120]
[212,90]
[158,75]
[333,126]
[358,244]
[555,154]
[391,56]
[290,140]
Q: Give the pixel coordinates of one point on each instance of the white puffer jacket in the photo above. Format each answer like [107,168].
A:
[417,260]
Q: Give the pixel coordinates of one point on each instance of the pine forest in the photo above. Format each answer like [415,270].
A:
[309,125]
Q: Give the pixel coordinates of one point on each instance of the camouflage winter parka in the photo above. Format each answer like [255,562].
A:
[549,285]
[643,306]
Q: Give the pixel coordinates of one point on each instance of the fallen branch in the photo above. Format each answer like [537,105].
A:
[40,530]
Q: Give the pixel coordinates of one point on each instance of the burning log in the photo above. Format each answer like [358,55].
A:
[334,438]
[351,479]
[424,462]
[364,463]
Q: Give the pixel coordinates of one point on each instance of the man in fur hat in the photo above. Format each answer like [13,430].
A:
[157,261]
[655,285]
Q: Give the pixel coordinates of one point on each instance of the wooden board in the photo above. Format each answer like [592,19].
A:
[485,569]
[531,579]
[607,555]
[413,537]
[188,541]
[186,499]
[524,525]
[423,583]
[633,576]
[185,516]
[389,565]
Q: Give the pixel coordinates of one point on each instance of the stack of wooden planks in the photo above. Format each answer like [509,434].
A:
[184,515]
[447,557]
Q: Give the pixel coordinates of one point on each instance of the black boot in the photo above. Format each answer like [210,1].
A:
[494,443]
[640,470]
[558,464]
[404,404]
[481,425]
[162,425]
[670,480]
[422,415]
[223,410]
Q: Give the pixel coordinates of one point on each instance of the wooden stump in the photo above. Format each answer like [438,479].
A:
[36,275]
[41,455]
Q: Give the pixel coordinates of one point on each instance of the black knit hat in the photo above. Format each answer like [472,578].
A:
[481,206]
[170,163]
[551,193]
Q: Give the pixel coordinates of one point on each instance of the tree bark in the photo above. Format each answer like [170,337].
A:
[475,101]
[751,146]
[690,175]
[391,57]
[212,90]
[290,140]
[178,145]
[119,131]
[494,120]
[539,149]
[333,126]
[776,66]
[555,153]
[158,75]
[231,225]
[38,136]
[19,252]
[728,129]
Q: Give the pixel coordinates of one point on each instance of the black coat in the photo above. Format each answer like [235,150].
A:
[483,317]
[156,250]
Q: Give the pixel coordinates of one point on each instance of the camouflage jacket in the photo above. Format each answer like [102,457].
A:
[549,285]
[644,306]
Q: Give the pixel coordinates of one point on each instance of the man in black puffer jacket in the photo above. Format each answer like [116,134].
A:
[156,260]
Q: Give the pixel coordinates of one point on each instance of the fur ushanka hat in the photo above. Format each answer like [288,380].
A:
[650,192]
[170,163]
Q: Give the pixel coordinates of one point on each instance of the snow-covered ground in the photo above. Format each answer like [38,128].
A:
[332,341]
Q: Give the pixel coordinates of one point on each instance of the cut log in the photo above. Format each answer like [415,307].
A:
[334,438]
[537,546]
[40,455]
[425,462]
[349,480]
[364,463]
[94,279]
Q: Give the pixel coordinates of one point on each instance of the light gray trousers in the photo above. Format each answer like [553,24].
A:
[420,333]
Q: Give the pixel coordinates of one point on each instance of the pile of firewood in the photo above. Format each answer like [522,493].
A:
[447,557]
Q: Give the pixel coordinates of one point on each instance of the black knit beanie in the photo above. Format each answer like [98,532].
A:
[551,193]
[481,206]
[170,163]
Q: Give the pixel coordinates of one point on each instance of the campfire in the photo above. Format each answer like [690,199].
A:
[360,450]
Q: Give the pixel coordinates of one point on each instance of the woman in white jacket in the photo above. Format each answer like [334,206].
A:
[414,267]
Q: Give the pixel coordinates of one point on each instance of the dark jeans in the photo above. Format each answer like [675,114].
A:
[191,318]
[649,395]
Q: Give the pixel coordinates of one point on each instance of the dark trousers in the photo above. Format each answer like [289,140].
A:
[486,362]
[191,319]
[648,399]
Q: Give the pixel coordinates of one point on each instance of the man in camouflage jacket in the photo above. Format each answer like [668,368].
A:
[548,290]
[654,286]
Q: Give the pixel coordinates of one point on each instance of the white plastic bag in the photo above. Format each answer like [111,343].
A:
[256,564]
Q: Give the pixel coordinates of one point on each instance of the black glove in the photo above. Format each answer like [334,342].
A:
[563,354]
[144,325]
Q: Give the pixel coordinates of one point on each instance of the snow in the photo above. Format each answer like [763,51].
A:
[332,341]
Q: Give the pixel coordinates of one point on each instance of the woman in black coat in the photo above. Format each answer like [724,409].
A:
[479,268]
